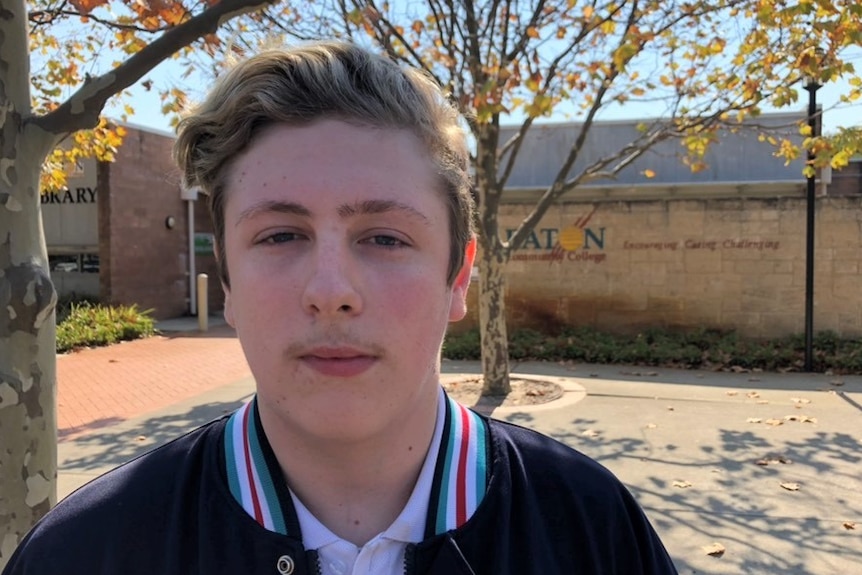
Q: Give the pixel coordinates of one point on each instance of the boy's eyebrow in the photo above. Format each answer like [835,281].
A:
[345,210]
[380,207]
[273,206]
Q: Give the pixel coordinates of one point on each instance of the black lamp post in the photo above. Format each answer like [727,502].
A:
[811,85]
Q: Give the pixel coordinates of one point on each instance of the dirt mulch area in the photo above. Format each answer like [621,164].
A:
[525,392]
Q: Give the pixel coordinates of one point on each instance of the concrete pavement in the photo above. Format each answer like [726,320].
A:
[687,443]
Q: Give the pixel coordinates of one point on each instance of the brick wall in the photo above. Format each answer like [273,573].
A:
[724,263]
[141,260]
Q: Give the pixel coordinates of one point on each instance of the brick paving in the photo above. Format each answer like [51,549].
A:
[102,386]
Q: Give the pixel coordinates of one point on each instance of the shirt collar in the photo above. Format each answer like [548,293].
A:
[450,487]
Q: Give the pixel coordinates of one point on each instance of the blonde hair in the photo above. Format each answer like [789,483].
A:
[299,85]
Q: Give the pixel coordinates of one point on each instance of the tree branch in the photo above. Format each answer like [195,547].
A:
[558,186]
[82,109]
[45,17]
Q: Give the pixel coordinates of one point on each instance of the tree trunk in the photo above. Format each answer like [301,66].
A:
[28,425]
[492,320]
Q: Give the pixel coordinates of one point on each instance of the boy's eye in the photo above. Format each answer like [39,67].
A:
[385,241]
[280,238]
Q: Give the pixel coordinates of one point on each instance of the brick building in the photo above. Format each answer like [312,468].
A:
[122,233]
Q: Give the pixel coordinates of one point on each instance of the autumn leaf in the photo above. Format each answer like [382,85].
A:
[754,420]
[773,459]
[715,549]
[682,484]
[849,525]
[774,422]
[87,6]
[590,433]
[752,394]
[790,486]
[648,173]
[800,418]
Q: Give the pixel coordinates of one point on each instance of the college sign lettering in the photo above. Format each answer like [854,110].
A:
[711,245]
[81,195]
[576,243]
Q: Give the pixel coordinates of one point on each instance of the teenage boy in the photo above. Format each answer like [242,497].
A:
[339,190]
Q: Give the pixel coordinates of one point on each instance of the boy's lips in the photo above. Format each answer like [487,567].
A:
[338,361]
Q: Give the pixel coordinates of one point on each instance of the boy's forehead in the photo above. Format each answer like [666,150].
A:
[364,169]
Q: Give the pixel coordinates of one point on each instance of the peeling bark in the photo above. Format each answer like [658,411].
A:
[28,427]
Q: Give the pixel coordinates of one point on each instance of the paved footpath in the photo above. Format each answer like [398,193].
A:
[768,466]
[104,386]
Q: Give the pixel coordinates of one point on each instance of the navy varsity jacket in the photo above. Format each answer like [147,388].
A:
[547,509]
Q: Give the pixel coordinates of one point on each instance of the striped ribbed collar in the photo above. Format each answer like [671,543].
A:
[461,472]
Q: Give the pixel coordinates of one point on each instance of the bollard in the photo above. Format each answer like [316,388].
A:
[203,303]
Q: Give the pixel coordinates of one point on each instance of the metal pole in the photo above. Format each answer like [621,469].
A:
[812,88]
[203,303]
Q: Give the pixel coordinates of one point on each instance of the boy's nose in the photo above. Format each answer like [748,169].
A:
[331,287]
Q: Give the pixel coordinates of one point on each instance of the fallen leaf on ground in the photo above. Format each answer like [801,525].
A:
[790,486]
[716,549]
[754,420]
[141,438]
[836,382]
[774,422]
[800,400]
[800,418]
[682,484]
[752,394]
[670,408]
[849,525]
[590,433]
[651,426]
[772,460]
[732,393]
[738,369]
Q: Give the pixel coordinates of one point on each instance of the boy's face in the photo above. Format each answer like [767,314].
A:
[337,245]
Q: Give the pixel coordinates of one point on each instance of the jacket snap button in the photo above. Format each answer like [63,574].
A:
[285,565]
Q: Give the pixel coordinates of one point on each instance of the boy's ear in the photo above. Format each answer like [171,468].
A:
[458,305]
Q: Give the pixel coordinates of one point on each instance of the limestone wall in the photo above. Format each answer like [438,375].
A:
[725,263]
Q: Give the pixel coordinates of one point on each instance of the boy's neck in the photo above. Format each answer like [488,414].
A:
[356,490]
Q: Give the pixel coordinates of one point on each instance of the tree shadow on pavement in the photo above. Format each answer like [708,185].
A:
[102,450]
[736,501]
